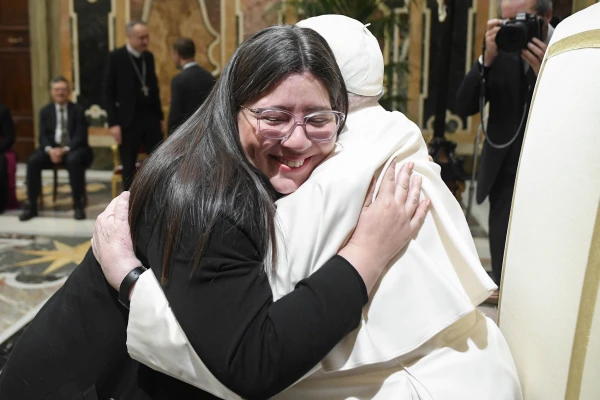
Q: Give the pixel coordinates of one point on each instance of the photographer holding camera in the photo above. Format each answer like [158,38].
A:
[505,76]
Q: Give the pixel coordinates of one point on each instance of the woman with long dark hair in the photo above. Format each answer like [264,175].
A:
[202,217]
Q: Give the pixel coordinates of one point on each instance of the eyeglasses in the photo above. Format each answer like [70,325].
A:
[279,124]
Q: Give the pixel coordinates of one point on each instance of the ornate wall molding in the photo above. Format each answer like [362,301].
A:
[213,45]
[75,50]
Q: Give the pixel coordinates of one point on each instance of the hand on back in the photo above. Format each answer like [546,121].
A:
[111,242]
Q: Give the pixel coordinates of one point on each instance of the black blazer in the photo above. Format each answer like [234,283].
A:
[507,90]
[7,129]
[189,89]
[120,87]
[76,126]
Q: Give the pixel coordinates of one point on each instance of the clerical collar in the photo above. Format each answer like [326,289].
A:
[189,64]
[133,52]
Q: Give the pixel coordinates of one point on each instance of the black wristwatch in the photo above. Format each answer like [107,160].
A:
[127,283]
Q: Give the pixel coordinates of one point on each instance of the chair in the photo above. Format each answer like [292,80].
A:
[549,308]
[55,169]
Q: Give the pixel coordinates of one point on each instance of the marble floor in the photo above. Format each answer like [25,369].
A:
[37,256]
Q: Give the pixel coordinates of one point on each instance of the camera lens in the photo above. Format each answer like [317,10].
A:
[512,37]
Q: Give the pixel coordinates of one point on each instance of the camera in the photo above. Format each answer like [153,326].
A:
[515,33]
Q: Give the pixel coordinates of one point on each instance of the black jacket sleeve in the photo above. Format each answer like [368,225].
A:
[80,136]
[254,346]
[153,83]
[110,90]
[176,108]
[7,129]
[468,94]
[74,344]
[44,136]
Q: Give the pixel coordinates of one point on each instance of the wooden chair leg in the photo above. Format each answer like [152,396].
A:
[114,187]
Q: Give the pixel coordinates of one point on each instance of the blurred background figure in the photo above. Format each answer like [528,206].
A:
[505,78]
[7,138]
[132,99]
[63,140]
[190,87]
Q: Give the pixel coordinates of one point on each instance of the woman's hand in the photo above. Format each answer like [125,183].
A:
[112,244]
[387,224]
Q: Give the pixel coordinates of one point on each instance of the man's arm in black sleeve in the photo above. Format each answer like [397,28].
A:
[81,128]
[43,134]
[176,108]
[153,83]
[468,94]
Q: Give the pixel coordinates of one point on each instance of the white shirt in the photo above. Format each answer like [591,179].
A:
[58,130]
[187,65]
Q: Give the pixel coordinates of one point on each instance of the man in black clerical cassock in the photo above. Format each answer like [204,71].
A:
[132,99]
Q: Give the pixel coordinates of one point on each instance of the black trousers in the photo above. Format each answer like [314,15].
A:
[75,161]
[144,131]
[500,203]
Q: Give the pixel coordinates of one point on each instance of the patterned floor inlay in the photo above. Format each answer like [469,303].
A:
[32,268]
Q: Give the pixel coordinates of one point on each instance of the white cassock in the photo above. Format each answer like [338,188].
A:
[422,314]
[550,305]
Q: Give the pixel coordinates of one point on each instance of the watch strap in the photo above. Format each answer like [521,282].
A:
[128,283]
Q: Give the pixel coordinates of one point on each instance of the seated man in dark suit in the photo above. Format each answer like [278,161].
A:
[63,141]
[190,87]
[7,138]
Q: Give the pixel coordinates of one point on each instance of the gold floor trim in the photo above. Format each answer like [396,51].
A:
[587,306]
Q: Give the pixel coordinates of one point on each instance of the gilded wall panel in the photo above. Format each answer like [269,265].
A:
[258,14]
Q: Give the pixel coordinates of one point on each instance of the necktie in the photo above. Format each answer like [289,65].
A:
[64,135]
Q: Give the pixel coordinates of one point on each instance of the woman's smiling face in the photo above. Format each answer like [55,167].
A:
[287,163]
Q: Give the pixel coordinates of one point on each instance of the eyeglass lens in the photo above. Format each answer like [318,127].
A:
[275,124]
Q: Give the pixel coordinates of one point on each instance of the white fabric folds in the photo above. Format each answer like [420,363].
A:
[436,280]
[426,292]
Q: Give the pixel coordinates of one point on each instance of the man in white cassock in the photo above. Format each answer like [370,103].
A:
[421,335]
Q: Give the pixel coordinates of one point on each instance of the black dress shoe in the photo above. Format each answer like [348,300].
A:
[79,214]
[27,214]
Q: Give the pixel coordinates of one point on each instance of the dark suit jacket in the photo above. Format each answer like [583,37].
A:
[76,126]
[120,87]
[189,89]
[7,129]
[507,90]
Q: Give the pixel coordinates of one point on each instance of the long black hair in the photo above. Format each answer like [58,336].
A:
[201,173]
